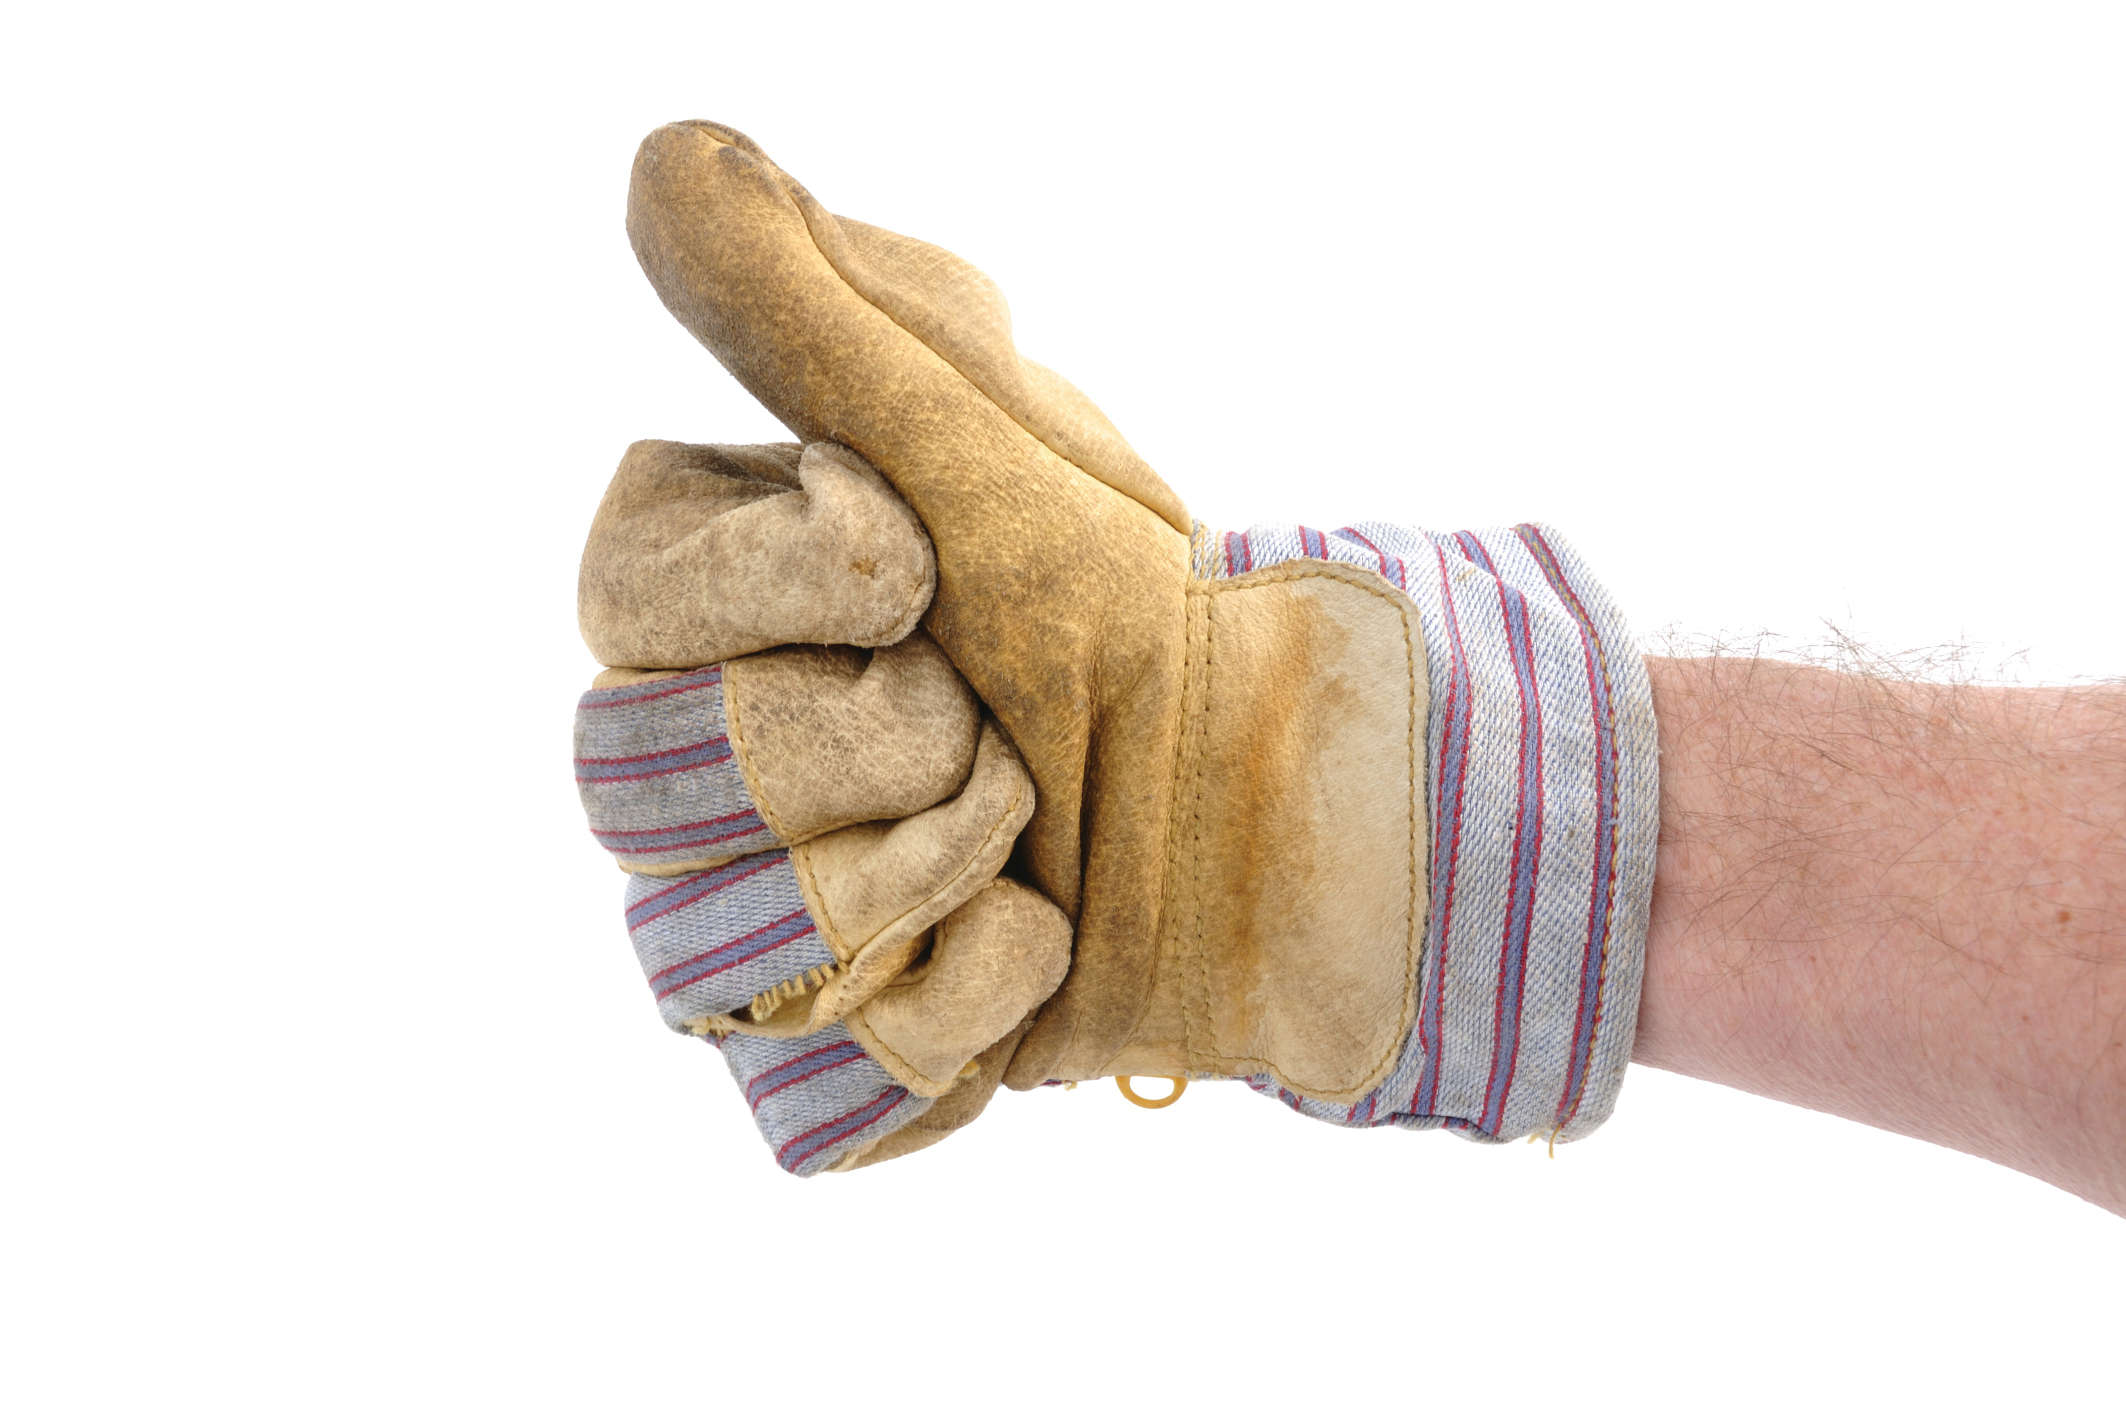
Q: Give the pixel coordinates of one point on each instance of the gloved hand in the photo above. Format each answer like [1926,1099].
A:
[814,832]
[1365,819]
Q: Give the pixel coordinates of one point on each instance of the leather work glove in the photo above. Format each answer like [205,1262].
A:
[814,833]
[1364,818]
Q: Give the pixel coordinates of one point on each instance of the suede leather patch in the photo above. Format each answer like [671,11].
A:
[1294,923]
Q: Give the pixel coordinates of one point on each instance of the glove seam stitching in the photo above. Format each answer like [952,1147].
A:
[815,899]
[885,1050]
[1414,939]
[742,750]
[812,236]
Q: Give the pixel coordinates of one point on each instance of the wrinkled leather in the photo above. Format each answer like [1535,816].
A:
[1064,597]
[876,889]
[898,804]
[960,1106]
[702,553]
[826,737]
[831,736]
[991,962]
[1290,940]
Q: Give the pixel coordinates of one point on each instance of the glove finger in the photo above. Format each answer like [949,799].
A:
[789,940]
[831,736]
[817,1099]
[680,772]
[745,955]
[902,350]
[1062,560]
[699,554]
[991,964]
[936,1119]
[923,1057]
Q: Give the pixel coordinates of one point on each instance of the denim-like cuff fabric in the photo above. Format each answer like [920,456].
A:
[1544,798]
[723,921]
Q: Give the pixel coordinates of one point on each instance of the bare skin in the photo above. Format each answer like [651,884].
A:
[1899,902]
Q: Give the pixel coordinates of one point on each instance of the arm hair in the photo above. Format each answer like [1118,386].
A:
[1899,901]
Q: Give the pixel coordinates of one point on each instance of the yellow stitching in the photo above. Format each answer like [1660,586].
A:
[1011,806]
[1174,900]
[909,1075]
[742,751]
[1413,944]
[856,1016]
[1199,728]
[1199,550]
[885,1053]
[805,215]
[1179,897]
[814,899]
[815,902]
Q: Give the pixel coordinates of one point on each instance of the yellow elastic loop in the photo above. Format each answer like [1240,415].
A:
[1122,1082]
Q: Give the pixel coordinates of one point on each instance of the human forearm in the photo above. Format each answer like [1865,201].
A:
[1900,902]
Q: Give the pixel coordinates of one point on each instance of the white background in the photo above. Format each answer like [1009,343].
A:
[330,1079]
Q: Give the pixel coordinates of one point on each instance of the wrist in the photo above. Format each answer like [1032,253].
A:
[1896,902]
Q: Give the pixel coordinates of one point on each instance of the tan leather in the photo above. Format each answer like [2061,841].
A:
[826,737]
[991,963]
[876,889]
[1299,826]
[702,553]
[1204,756]
[898,803]
[957,1108]
[831,736]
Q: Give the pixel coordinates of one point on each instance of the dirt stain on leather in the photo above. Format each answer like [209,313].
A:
[1281,698]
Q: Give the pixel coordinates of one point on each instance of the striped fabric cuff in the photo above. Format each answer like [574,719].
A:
[711,942]
[716,914]
[657,775]
[816,1098]
[1543,793]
